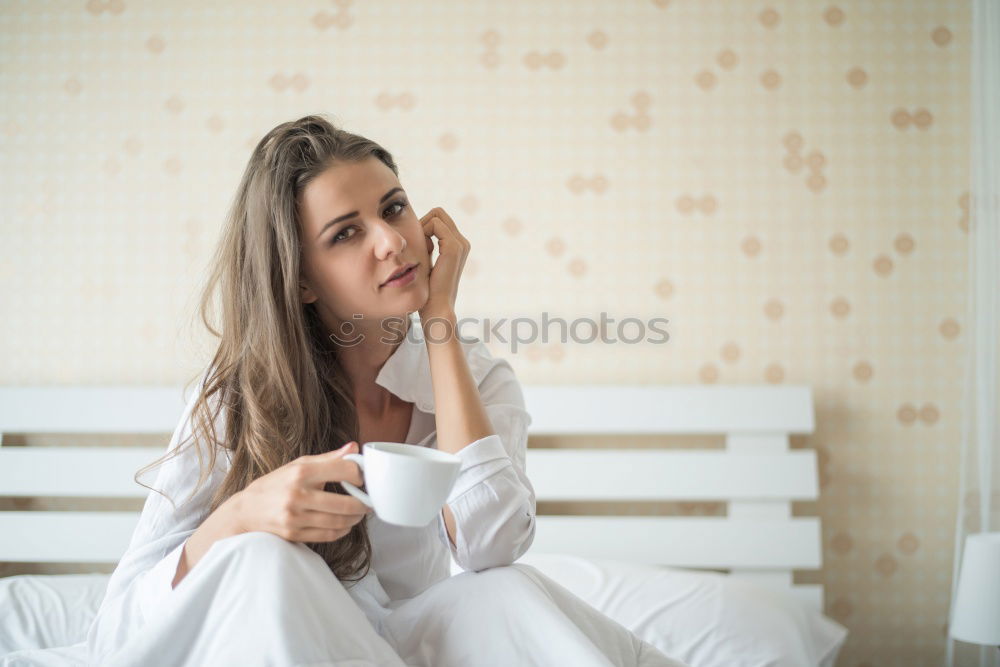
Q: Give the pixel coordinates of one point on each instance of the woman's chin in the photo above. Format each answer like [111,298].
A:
[412,302]
[418,297]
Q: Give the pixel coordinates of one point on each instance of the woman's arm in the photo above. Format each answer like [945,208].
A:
[489,518]
[460,416]
[490,515]
[493,501]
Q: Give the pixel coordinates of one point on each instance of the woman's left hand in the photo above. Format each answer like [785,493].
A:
[453,250]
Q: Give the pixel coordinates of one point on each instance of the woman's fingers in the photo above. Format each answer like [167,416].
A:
[332,503]
[327,521]
[440,224]
[448,222]
[452,246]
[447,270]
[331,467]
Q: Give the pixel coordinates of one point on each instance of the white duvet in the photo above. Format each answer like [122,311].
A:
[702,619]
[257,599]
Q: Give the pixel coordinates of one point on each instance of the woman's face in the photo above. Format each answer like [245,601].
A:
[374,232]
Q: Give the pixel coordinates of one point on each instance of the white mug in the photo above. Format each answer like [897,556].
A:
[407,484]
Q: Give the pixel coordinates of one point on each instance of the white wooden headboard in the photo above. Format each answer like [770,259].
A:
[756,475]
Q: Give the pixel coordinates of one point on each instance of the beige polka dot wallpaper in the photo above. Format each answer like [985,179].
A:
[785,181]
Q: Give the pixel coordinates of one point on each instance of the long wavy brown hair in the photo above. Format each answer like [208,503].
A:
[275,370]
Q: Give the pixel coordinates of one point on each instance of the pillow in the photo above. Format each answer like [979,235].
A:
[44,610]
[705,619]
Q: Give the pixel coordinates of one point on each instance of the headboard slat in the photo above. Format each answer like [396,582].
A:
[109,471]
[684,541]
[65,537]
[659,409]
[90,409]
[556,474]
[649,474]
[681,542]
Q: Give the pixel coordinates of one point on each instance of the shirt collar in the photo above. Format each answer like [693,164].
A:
[407,372]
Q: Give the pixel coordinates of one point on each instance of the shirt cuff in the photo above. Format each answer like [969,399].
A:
[155,585]
[480,460]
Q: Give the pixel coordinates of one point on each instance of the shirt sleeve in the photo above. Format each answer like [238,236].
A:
[142,579]
[493,501]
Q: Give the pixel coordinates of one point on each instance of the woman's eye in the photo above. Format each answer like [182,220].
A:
[337,237]
[401,204]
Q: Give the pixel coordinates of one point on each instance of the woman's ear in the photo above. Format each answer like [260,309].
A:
[307,294]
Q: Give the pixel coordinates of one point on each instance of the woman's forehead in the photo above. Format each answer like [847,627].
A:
[346,188]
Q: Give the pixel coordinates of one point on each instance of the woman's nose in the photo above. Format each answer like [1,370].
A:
[388,240]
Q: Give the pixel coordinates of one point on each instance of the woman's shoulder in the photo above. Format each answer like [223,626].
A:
[407,372]
[494,375]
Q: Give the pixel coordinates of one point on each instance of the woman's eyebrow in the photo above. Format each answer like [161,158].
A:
[354,213]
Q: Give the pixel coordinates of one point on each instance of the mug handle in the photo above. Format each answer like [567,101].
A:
[350,488]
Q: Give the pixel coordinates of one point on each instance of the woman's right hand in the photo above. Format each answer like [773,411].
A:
[291,503]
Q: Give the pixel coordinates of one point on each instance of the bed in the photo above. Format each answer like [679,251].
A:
[715,588]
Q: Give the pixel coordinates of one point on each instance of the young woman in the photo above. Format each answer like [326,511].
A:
[265,560]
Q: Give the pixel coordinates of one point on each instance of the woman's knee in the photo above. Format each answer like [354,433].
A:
[266,546]
[501,578]
[259,537]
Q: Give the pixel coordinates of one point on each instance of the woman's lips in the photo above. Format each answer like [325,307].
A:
[407,277]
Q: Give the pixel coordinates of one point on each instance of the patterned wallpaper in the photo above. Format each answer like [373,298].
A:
[785,181]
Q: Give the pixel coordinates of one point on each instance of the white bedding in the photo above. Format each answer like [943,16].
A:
[702,619]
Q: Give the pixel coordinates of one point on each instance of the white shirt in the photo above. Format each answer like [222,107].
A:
[492,501]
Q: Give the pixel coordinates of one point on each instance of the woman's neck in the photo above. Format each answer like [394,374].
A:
[363,362]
